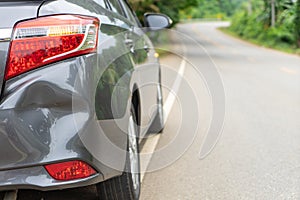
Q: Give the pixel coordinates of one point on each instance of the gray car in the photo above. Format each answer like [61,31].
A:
[78,78]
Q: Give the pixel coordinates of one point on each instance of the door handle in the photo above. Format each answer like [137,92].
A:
[130,44]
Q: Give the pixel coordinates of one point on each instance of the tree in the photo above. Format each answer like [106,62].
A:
[143,6]
[213,9]
[274,8]
[277,27]
[297,23]
[273,13]
[170,7]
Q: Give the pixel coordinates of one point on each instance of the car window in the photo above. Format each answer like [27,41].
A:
[116,7]
[130,14]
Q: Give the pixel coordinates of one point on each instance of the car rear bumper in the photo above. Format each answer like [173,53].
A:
[48,116]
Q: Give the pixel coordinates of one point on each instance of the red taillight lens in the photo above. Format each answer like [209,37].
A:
[70,170]
[45,40]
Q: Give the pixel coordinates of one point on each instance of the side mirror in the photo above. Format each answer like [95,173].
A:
[156,21]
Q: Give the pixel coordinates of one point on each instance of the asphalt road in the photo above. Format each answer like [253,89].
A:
[257,93]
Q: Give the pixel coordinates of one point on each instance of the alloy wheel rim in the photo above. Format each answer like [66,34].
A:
[160,107]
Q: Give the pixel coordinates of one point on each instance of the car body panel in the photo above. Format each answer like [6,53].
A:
[145,62]
[75,109]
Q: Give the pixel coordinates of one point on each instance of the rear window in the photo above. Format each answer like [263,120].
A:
[116,7]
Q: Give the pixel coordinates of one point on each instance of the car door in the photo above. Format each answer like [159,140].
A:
[147,67]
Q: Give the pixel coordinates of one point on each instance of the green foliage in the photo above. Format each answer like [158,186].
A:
[143,6]
[255,25]
[185,9]
[297,23]
[252,21]
[212,9]
[170,7]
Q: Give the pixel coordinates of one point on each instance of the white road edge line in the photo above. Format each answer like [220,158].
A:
[174,90]
[151,142]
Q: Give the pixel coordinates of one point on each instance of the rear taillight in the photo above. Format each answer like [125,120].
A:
[44,40]
[70,170]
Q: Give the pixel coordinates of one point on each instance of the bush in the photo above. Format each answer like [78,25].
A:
[239,22]
[253,27]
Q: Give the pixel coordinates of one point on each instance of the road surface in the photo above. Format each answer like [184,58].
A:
[257,153]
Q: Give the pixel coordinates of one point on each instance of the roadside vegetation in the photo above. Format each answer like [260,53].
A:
[271,23]
[171,8]
[211,9]
[179,10]
[188,9]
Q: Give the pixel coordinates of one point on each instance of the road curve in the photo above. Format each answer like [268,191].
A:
[257,152]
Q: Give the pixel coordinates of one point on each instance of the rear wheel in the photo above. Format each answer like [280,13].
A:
[127,186]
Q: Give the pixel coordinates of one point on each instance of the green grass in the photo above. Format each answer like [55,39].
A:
[269,44]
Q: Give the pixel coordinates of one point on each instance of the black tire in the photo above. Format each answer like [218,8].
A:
[125,187]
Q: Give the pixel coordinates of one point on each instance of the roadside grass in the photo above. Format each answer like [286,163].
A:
[269,44]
